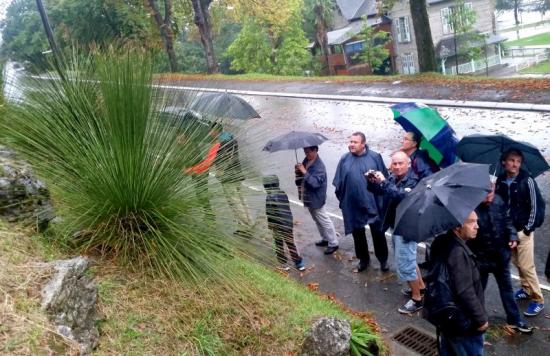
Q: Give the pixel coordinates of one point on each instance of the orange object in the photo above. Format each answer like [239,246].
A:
[205,164]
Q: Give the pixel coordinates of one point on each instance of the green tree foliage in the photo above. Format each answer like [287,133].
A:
[466,41]
[250,50]
[374,51]
[318,17]
[88,23]
[292,57]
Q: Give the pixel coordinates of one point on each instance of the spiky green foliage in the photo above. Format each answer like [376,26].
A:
[115,167]
[362,340]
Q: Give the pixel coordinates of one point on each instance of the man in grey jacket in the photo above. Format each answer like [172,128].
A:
[311,179]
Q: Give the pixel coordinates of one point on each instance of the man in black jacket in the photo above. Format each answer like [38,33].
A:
[421,163]
[519,190]
[492,246]
[466,287]
[394,189]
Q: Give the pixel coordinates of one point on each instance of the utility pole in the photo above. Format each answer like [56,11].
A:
[49,35]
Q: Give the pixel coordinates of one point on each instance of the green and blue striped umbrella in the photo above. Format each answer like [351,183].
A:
[438,138]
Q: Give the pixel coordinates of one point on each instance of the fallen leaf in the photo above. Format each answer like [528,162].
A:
[313,286]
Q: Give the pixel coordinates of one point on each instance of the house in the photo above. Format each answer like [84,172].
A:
[445,38]
[344,45]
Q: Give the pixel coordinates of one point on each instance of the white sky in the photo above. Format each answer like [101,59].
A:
[3,6]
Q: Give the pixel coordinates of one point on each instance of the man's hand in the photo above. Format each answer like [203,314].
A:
[300,167]
[483,327]
[513,244]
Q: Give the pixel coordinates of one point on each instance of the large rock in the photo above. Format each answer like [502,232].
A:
[328,337]
[22,195]
[70,299]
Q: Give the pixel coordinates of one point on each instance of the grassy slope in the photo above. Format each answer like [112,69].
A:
[536,40]
[269,314]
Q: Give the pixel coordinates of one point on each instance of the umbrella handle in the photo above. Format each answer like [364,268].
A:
[296,154]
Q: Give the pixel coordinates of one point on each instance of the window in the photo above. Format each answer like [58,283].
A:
[402,30]
[446,17]
[407,64]
[354,47]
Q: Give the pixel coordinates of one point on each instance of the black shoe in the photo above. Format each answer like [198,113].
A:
[362,265]
[384,266]
[321,243]
[330,250]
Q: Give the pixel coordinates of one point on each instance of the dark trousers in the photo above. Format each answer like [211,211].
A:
[378,239]
[461,345]
[506,290]
[285,237]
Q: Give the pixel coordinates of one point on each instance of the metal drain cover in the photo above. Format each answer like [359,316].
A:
[417,341]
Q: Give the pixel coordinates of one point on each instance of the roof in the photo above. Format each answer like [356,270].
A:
[355,9]
[447,44]
[343,34]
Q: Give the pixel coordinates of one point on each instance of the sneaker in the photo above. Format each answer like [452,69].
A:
[407,292]
[331,249]
[321,243]
[533,309]
[521,294]
[284,267]
[411,307]
[523,327]
[300,266]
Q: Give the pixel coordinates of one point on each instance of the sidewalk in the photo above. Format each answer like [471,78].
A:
[379,293]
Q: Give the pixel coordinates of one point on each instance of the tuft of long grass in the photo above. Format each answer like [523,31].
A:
[115,168]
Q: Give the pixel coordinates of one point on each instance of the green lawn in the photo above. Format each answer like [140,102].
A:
[537,40]
[542,67]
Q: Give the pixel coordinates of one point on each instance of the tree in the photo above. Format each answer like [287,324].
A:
[374,51]
[250,50]
[164,25]
[322,11]
[202,20]
[462,19]
[292,57]
[510,5]
[543,6]
[423,36]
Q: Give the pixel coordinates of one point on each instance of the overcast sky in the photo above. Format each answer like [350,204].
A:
[3,6]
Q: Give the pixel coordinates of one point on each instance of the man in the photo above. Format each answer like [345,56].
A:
[492,246]
[359,206]
[312,181]
[466,288]
[394,189]
[421,163]
[519,190]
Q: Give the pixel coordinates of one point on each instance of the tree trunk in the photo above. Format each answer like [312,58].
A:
[202,20]
[321,36]
[165,30]
[516,10]
[423,36]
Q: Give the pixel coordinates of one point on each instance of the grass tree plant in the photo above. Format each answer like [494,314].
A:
[114,167]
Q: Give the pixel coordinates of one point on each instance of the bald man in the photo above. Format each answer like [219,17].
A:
[394,189]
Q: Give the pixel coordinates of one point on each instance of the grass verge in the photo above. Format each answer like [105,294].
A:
[268,314]
[540,68]
[536,40]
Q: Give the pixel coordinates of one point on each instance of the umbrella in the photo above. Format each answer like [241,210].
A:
[442,201]
[294,140]
[489,149]
[223,105]
[438,138]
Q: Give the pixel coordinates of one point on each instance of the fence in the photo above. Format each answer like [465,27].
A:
[528,62]
[474,66]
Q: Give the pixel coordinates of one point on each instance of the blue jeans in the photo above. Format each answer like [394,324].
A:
[505,288]
[471,345]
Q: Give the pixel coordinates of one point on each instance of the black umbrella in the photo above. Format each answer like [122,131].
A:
[223,105]
[489,149]
[442,201]
[294,140]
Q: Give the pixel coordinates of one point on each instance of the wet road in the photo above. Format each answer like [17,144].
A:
[337,120]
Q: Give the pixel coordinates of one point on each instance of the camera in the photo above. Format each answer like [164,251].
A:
[371,173]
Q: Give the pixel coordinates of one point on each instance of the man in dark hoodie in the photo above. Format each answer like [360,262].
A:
[519,190]
[311,179]
[496,237]
[280,222]
[465,285]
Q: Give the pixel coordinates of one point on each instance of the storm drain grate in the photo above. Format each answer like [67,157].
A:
[417,341]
